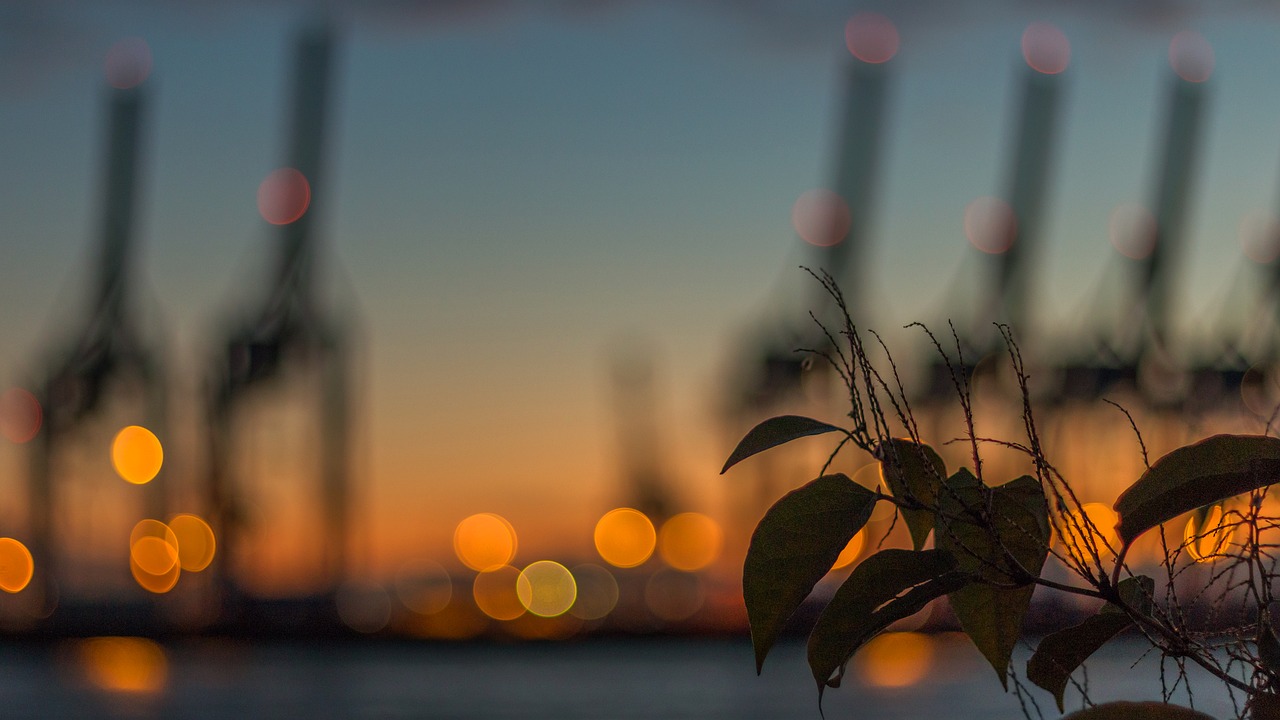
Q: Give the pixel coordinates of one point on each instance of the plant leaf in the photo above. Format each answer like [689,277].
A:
[884,588]
[1205,472]
[995,534]
[1125,710]
[774,432]
[795,544]
[913,471]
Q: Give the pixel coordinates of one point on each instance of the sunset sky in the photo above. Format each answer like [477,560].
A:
[520,192]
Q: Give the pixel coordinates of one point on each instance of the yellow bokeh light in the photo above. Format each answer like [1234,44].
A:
[1206,541]
[16,565]
[1075,530]
[484,542]
[597,592]
[136,454]
[546,588]
[196,544]
[625,537]
[852,550]
[690,541]
[895,659]
[124,664]
[495,593]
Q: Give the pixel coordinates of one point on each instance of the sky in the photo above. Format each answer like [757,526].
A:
[520,193]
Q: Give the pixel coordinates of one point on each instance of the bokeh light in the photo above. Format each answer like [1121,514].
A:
[484,541]
[1205,541]
[128,63]
[852,550]
[284,196]
[1045,48]
[625,538]
[871,37]
[597,592]
[363,607]
[1260,236]
[989,224]
[424,586]
[20,415]
[894,659]
[690,541]
[1132,230]
[495,593]
[16,565]
[153,556]
[1191,56]
[1103,534]
[124,664]
[196,544]
[546,588]
[821,217]
[136,454]
[673,595]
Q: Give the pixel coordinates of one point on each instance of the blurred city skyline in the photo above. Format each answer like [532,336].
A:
[518,193]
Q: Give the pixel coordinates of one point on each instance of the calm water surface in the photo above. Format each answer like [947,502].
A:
[605,679]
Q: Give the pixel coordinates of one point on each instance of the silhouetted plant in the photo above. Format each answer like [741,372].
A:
[991,542]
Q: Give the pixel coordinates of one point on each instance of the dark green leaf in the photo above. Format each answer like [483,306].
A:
[1150,710]
[1001,536]
[795,544]
[774,432]
[913,472]
[884,588]
[1060,653]
[1206,472]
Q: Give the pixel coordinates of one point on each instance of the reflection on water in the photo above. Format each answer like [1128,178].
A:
[920,676]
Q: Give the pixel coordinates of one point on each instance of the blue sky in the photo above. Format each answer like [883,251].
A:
[518,189]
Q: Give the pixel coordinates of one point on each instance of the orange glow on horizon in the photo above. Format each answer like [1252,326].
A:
[894,659]
[871,37]
[625,537]
[136,455]
[124,664]
[485,541]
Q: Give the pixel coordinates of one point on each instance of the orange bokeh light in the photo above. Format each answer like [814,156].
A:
[1206,541]
[1102,536]
[1045,48]
[136,454]
[484,541]
[851,550]
[196,544]
[625,538]
[821,217]
[871,37]
[16,565]
[495,593]
[153,556]
[128,63]
[284,196]
[690,541]
[20,415]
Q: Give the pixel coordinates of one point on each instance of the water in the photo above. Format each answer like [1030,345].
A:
[606,679]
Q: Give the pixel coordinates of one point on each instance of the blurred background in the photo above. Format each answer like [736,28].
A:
[437,320]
